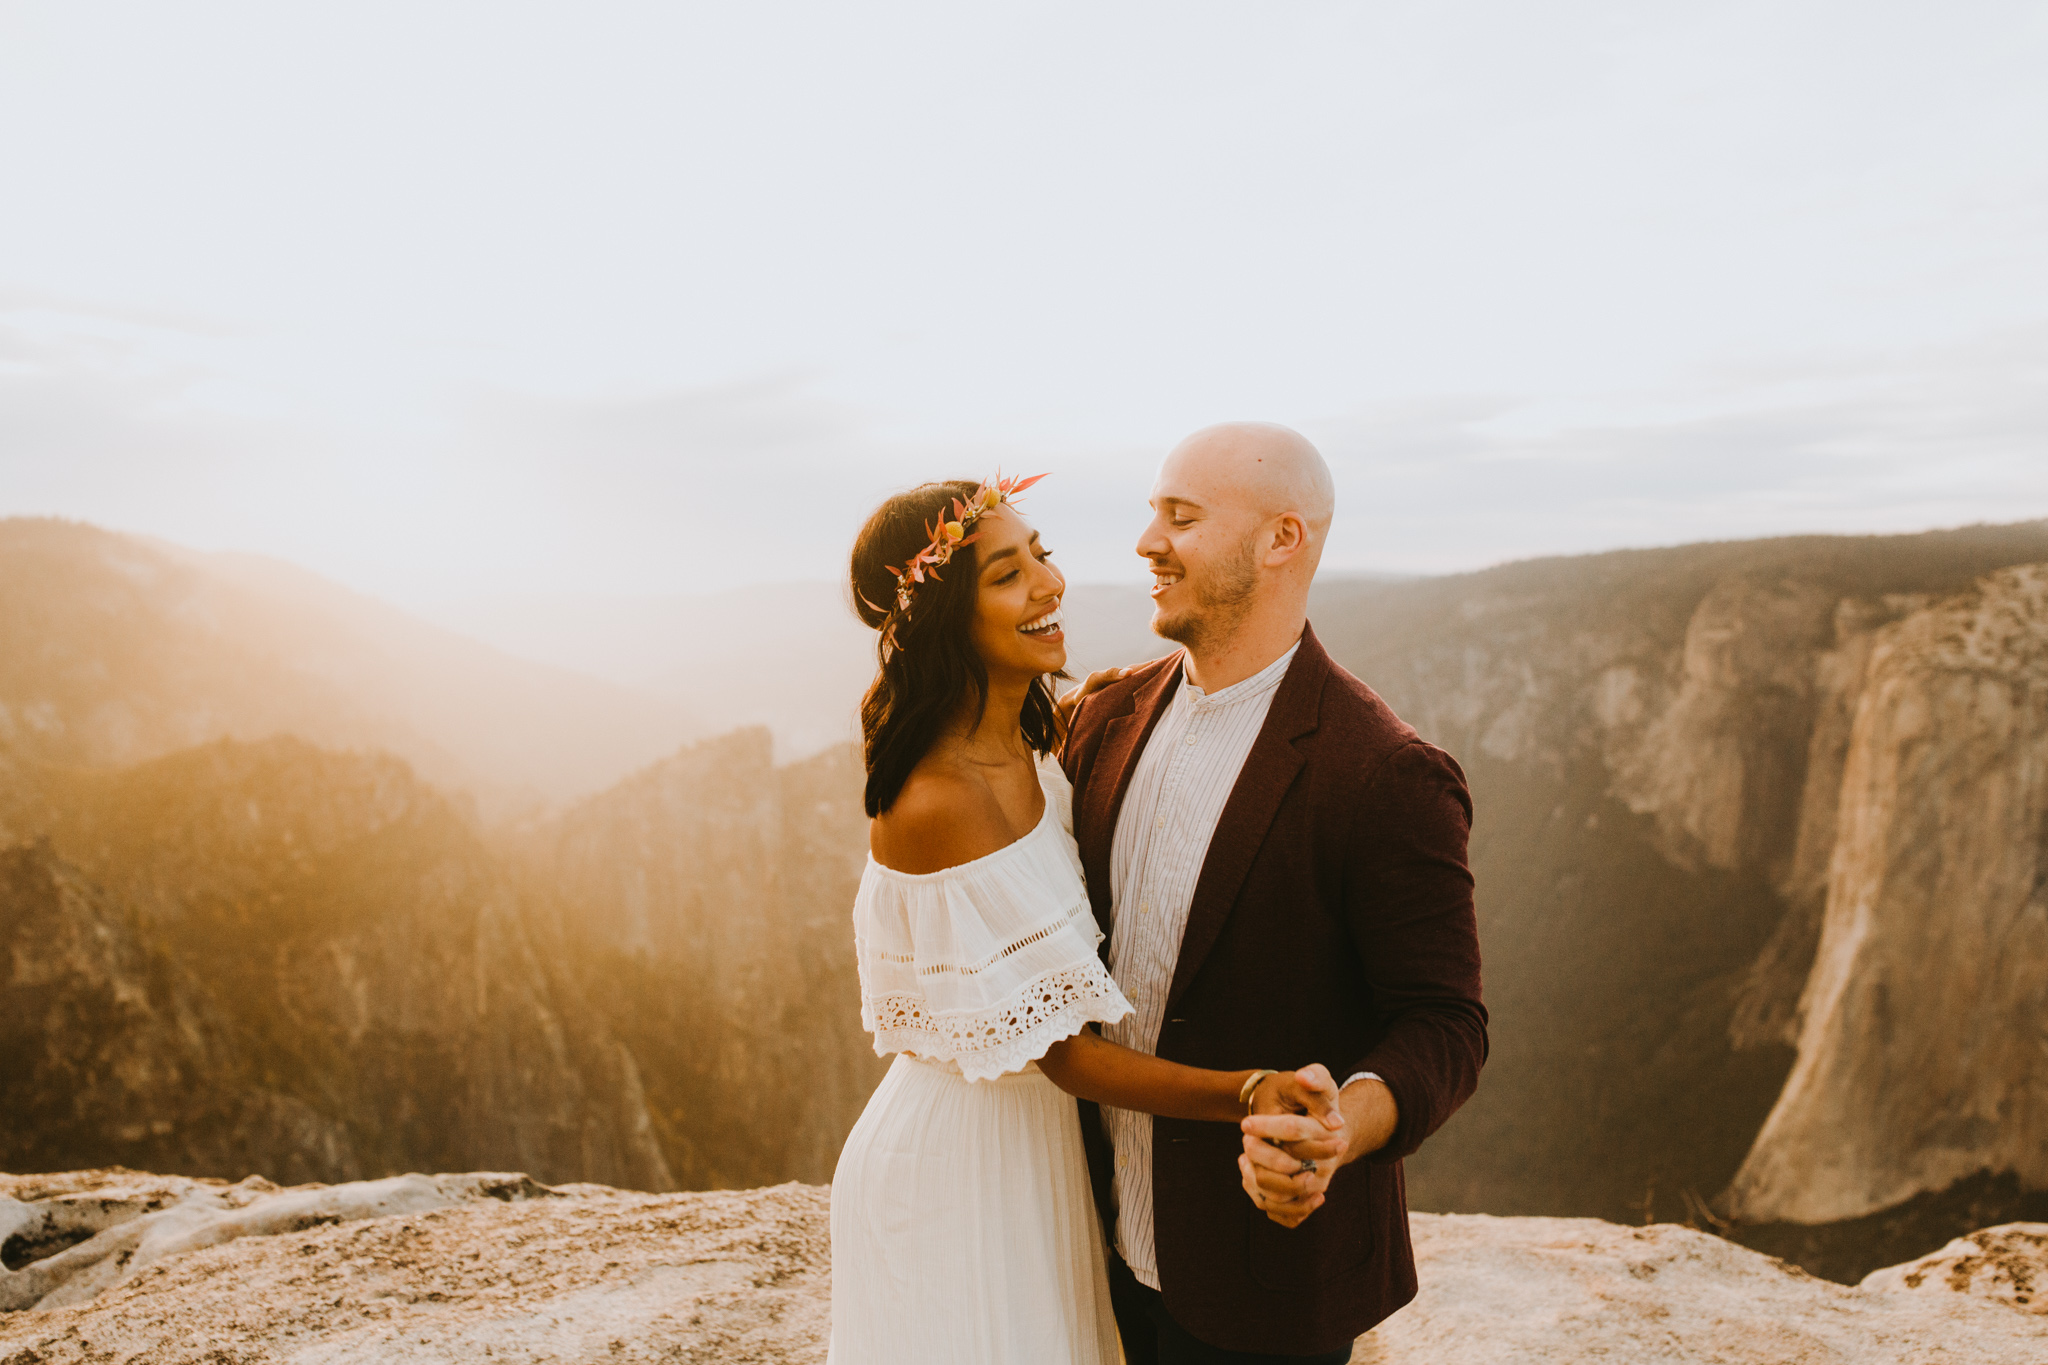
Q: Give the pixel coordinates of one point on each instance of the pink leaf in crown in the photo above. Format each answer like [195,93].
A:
[1019,485]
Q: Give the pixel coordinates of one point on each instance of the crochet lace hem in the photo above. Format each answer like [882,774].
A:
[993,1042]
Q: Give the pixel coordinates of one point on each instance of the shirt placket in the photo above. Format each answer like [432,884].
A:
[1167,888]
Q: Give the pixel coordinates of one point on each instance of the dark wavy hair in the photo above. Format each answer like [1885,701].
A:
[931,664]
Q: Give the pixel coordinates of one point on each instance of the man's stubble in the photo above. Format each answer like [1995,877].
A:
[1223,599]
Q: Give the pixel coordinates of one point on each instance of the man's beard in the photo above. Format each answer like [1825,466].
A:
[1223,599]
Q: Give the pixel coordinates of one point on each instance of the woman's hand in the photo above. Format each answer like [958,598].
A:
[1294,1139]
[1066,706]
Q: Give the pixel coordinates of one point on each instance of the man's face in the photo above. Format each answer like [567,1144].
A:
[1202,546]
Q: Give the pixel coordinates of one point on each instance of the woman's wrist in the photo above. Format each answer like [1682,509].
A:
[1248,1089]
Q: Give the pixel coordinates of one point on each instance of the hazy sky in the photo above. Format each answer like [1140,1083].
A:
[446,299]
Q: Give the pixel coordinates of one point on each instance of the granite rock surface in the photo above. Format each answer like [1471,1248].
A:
[2008,1263]
[463,1268]
[1923,1056]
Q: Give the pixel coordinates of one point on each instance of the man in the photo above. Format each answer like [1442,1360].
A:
[1278,863]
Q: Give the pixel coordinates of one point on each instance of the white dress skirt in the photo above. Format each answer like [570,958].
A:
[963,1228]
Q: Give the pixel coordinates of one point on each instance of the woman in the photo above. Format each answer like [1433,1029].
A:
[963,1228]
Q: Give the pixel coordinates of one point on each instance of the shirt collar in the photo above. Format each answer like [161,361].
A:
[1263,681]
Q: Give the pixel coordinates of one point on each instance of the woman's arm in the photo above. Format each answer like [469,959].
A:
[1090,1067]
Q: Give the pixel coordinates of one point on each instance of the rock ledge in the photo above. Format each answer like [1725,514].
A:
[422,1269]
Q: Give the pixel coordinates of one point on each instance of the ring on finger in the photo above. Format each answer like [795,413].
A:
[1308,1166]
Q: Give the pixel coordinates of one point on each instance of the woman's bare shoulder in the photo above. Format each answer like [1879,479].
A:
[942,818]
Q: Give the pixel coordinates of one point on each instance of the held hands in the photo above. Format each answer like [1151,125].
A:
[1295,1138]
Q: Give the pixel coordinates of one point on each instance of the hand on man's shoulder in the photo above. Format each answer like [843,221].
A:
[1107,686]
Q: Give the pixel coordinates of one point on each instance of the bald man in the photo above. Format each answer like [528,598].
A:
[1278,865]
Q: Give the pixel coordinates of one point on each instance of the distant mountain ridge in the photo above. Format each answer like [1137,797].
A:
[788,656]
[115,649]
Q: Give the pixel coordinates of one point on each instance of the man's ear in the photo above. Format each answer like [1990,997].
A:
[1290,536]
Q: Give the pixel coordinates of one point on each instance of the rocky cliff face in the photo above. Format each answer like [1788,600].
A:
[1674,756]
[270,957]
[710,900]
[1923,1052]
[111,1047]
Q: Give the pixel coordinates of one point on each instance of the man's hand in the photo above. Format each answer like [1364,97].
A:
[1295,1140]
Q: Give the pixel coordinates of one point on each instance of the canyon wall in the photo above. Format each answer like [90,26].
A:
[710,900]
[1665,752]
[276,959]
[1923,1051]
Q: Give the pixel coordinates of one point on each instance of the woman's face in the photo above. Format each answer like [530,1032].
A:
[1017,612]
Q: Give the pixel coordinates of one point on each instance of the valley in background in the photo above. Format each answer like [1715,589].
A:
[293,883]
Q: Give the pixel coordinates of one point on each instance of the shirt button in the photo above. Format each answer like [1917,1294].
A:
[1191,739]
[1119,1163]
[1160,823]
[1146,908]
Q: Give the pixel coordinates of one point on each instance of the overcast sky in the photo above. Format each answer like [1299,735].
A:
[447,299]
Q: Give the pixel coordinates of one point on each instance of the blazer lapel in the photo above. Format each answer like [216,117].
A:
[1261,785]
[1102,799]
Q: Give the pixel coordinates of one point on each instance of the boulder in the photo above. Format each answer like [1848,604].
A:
[2008,1263]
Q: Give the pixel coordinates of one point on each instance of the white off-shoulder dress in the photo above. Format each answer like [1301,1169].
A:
[963,1229]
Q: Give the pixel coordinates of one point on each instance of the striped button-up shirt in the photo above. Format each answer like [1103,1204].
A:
[1170,810]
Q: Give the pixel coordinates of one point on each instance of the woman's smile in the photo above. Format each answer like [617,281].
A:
[1046,625]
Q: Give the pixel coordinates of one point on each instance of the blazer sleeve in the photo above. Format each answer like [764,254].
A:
[1409,903]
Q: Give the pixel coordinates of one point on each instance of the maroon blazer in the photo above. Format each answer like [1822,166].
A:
[1332,922]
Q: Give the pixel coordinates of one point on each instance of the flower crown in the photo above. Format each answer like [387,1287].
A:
[948,536]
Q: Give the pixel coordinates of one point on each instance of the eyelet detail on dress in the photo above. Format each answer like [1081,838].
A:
[985,966]
[994,1042]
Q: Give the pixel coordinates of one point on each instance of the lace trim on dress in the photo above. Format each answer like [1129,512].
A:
[973,969]
[993,1042]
